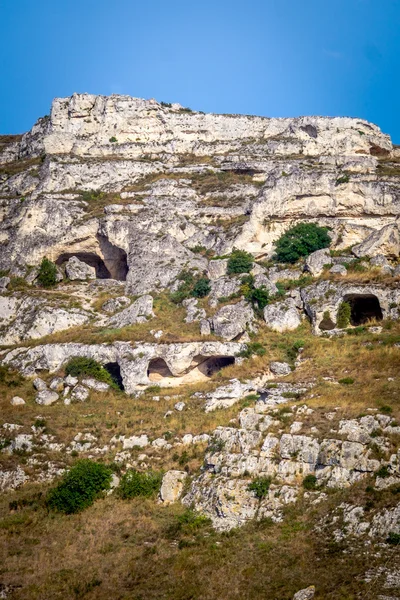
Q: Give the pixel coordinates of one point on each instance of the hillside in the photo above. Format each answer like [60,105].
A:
[148,325]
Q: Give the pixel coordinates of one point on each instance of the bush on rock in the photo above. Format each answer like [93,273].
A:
[301,240]
[47,276]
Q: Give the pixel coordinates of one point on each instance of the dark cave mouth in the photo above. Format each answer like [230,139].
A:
[364,307]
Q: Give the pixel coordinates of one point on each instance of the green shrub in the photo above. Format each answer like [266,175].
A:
[259,297]
[310,482]
[342,179]
[47,276]
[383,472]
[80,487]
[260,486]
[135,484]
[201,288]
[301,240]
[80,365]
[346,381]
[344,315]
[113,139]
[240,261]
[253,348]
[393,538]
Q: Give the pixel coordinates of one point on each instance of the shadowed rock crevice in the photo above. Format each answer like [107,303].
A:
[114,369]
[115,259]
[363,308]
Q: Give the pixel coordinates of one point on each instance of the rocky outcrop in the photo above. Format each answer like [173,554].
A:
[282,316]
[138,312]
[139,364]
[232,320]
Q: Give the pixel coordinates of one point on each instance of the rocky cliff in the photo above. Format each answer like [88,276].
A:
[274,425]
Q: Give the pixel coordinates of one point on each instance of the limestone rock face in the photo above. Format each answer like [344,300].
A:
[172,486]
[231,320]
[185,186]
[282,316]
[305,594]
[138,312]
[383,241]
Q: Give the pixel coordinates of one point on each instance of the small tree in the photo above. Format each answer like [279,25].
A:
[301,240]
[260,486]
[240,261]
[202,288]
[344,315]
[47,276]
[134,484]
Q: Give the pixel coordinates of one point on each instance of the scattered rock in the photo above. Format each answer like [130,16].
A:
[135,441]
[280,368]
[17,401]
[114,304]
[46,397]
[39,384]
[93,384]
[80,393]
[305,594]
[179,406]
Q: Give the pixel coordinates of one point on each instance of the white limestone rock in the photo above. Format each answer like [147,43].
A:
[316,261]
[138,312]
[282,316]
[232,320]
[76,269]
[135,441]
[17,401]
[114,304]
[193,312]
[46,397]
[80,393]
[280,368]
[94,384]
[305,594]
[172,486]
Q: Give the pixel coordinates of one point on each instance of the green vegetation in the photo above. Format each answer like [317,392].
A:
[301,240]
[342,179]
[393,538]
[253,348]
[346,381]
[113,140]
[260,486]
[201,288]
[47,276]
[259,297]
[310,482]
[80,487]
[80,365]
[192,285]
[134,484]
[240,262]
[344,315]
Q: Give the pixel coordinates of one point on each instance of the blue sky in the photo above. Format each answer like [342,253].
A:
[265,57]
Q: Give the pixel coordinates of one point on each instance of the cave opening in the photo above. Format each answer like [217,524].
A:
[213,364]
[115,258]
[90,258]
[364,307]
[115,371]
[158,369]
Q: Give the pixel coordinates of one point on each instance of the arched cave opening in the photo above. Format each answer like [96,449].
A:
[115,259]
[158,369]
[90,258]
[363,308]
[213,364]
[115,371]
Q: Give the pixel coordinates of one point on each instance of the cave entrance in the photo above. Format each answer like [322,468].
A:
[115,259]
[363,308]
[115,371]
[90,258]
[213,364]
[158,369]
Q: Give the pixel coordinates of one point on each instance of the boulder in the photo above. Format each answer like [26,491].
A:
[46,397]
[227,395]
[179,406]
[338,270]
[262,281]
[138,312]
[93,384]
[232,320]
[135,441]
[80,393]
[4,281]
[224,287]
[77,270]
[316,261]
[282,316]
[39,384]
[205,327]
[70,380]
[17,401]
[57,384]
[305,594]
[280,368]
[172,486]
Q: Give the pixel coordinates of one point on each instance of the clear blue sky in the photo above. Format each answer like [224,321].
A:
[265,57]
